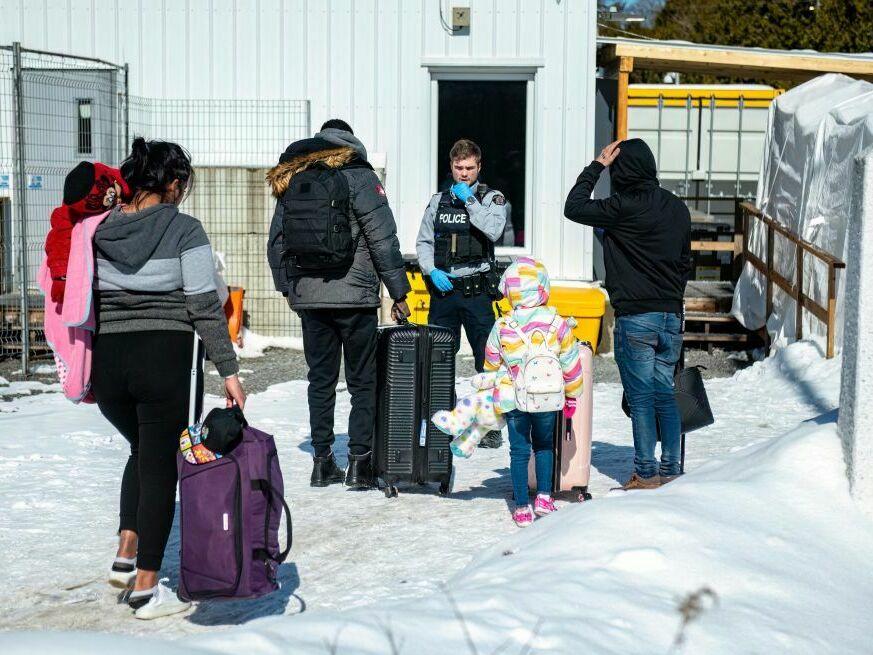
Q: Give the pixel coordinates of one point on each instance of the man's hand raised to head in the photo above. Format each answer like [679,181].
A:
[609,153]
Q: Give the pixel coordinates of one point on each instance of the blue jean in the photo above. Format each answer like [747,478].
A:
[526,429]
[647,348]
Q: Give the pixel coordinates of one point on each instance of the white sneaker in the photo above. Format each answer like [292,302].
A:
[163,602]
[123,572]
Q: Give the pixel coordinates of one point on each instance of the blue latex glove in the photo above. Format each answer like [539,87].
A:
[462,191]
[441,280]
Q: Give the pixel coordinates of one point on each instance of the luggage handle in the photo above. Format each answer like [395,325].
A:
[288,535]
[192,393]
[271,493]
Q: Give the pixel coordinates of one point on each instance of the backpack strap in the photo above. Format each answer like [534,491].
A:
[512,324]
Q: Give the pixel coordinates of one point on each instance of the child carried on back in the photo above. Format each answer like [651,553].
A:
[533,369]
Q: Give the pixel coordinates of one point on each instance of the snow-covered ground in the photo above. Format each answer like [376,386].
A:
[760,550]
[255,344]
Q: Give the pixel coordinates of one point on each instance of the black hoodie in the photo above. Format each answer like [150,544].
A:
[647,232]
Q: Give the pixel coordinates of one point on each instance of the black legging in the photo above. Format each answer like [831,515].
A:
[141,381]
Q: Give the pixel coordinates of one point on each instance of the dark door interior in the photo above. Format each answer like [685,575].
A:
[494,115]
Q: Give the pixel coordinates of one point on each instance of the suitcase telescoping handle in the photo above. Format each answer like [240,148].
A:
[192,394]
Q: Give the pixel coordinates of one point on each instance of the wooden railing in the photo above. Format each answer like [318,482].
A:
[825,313]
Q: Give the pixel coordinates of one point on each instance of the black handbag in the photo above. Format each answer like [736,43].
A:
[691,399]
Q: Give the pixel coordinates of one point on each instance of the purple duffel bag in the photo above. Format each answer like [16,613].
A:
[231,509]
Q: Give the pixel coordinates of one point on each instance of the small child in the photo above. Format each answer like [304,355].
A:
[538,348]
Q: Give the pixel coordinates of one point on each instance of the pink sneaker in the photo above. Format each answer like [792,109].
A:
[523,516]
[544,505]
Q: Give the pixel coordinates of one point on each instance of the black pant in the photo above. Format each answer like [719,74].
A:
[141,381]
[325,333]
[475,313]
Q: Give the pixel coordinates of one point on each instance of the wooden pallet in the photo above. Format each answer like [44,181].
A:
[708,320]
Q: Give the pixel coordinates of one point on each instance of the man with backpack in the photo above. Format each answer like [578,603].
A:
[332,240]
[455,248]
[647,251]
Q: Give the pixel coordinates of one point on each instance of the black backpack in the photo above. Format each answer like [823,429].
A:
[316,221]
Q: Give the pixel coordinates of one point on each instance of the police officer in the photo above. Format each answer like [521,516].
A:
[455,249]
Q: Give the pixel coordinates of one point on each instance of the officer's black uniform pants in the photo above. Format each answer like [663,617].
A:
[326,332]
[475,313]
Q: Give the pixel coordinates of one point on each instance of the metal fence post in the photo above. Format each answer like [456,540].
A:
[21,203]
[126,145]
[308,117]
[709,162]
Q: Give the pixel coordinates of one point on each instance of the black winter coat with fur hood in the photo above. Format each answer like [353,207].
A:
[377,256]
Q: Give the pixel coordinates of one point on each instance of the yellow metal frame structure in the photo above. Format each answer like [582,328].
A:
[700,97]
[620,57]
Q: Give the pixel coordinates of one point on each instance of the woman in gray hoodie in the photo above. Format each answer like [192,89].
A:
[155,286]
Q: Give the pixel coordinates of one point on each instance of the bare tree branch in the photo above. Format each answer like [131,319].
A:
[533,635]
[457,612]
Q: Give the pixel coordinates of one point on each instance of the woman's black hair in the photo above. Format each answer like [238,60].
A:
[152,166]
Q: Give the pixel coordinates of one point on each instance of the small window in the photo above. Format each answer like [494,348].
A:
[84,131]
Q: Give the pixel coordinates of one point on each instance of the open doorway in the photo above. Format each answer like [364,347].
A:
[494,115]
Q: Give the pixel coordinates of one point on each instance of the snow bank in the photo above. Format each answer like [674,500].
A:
[799,368]
[255,344]
[43,369]
[764,538]
[770,531]
[767,539]
[26,387]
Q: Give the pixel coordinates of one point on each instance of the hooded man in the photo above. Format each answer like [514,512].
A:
[647,253]
[332,241]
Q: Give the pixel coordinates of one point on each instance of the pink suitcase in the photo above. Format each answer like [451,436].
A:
[573,439]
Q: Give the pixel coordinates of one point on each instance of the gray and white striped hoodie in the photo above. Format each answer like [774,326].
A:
[155,272]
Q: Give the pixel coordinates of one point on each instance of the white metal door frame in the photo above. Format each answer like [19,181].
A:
[506,73]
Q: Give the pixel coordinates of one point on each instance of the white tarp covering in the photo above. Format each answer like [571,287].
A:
[814,133]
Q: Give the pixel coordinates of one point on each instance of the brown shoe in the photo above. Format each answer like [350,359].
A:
[638,482]
[668,478]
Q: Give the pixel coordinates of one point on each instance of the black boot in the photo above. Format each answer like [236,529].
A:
[325,472]
[493,439]
[359,474]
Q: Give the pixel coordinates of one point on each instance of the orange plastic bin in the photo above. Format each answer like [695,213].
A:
[233,310]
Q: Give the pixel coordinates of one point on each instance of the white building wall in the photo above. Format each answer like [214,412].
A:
[369,61]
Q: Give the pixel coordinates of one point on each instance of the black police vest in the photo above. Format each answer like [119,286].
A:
[456,240]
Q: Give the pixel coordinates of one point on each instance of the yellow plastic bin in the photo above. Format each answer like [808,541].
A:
[418,299]
[586,305]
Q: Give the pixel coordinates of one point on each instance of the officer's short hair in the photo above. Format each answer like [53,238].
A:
[465,148]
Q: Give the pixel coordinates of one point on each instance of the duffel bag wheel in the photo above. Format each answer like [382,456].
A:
[584,495]
[444,488]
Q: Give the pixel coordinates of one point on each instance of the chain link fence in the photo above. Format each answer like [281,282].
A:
[233,143]
[55,111]
[58,110]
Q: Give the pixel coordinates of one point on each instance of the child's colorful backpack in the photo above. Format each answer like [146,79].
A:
[539,380]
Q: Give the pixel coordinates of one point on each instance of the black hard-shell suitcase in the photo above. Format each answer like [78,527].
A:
[416,373]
